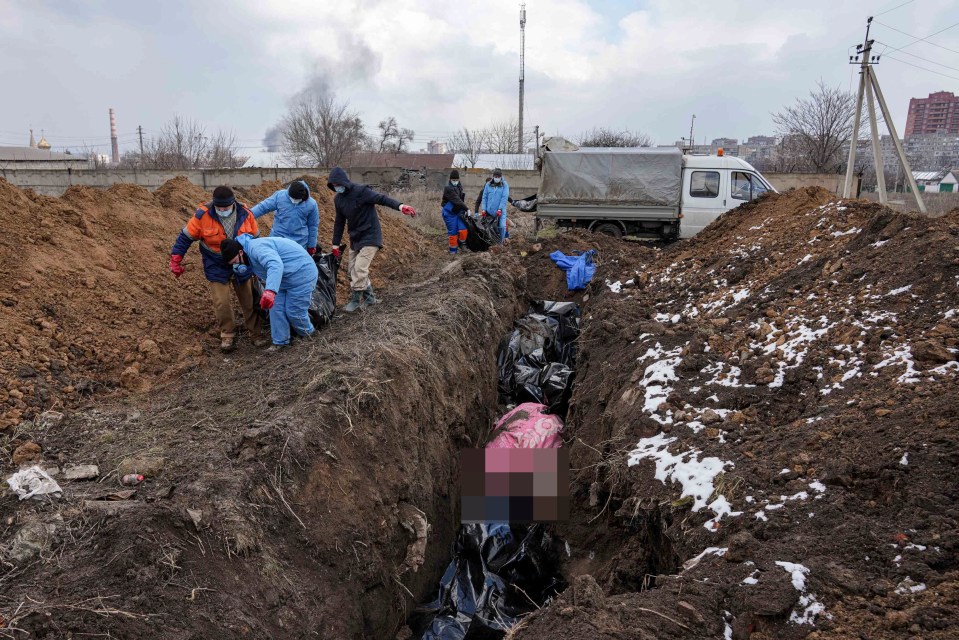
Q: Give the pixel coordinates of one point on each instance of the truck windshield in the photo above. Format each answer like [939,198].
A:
[747,186]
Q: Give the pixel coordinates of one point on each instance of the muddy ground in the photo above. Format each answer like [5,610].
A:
[796,363]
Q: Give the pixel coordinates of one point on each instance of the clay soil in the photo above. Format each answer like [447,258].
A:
[806,348]
[88,303]
[801,353]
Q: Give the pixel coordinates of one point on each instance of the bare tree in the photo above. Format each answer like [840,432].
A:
[502,137]
[603,137]
[221,152]
[469,143]
[818,126]
[392,138]
[322,130]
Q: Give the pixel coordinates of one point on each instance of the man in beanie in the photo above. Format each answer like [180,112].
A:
[495,199]
[221,219]
[297,216]
[355,209]
[290,276]
[454,208]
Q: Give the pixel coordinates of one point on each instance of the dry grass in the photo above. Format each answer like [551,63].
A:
[429,217]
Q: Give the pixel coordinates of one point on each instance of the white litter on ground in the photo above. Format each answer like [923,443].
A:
[811,606]
[896,292]
[33,483]
[904,461]
[615,287]
[694,474]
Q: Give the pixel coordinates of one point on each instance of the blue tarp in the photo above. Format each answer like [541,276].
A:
[579,267]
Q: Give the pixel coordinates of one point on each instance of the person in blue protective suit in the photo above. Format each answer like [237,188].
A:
[297,216]
[356,210]
[495,199]
[290,276]
[454,208]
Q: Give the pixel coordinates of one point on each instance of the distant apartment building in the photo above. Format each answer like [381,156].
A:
[939,113]
[436,147]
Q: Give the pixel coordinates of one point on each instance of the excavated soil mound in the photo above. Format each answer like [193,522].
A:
[773,406]
[180,195]
[306,493]
[88,303]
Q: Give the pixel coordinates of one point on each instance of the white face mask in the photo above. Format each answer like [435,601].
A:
[339,189]
[296,200]
[454,182]
[225,213]
[497,180]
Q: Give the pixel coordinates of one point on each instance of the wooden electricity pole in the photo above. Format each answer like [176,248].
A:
[869,88]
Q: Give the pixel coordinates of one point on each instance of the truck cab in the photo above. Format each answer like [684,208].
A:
[713,185]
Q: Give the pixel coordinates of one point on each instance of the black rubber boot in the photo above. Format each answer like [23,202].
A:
[355,302]
[369,298]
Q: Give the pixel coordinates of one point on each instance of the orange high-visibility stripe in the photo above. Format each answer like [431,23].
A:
[453,242]
[463,234]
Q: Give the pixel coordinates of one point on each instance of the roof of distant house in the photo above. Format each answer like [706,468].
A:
[362,159]
[31,154]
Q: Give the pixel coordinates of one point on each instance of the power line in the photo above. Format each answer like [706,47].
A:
[921,58]
[918,39]
[894,8]
[944,75]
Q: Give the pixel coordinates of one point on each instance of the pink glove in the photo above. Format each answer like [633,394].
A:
[407,210]
[175,266]
[311,250]
[336,252]
[267,299]
[499,212]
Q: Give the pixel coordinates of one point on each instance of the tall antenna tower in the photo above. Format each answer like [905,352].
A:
[522,72]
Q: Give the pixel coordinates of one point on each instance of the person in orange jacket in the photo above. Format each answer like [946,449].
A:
[221,218]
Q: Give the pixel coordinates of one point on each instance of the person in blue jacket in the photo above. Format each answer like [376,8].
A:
[495,199]
[290,275]
[356,210]
[297,216]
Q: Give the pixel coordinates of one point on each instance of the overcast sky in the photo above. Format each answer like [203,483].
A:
[441,65]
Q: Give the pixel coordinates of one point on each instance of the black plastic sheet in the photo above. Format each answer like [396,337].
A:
[481,233]
[536,361]
[499,573]
[526,204]
[323,300]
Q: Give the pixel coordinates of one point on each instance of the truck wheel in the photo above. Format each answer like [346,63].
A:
[608,229]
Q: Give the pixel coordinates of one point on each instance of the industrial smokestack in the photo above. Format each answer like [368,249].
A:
[113,137]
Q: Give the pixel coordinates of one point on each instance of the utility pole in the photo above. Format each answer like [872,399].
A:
[692,140]
[140,131]
[522,72]
[869,89]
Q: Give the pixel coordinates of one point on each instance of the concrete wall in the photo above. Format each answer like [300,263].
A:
[522,182]
[832,181]
[54,183]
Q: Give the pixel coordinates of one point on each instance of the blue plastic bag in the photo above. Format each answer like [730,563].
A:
[579,267]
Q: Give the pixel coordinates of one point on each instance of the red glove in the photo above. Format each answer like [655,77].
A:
[311,250]
[175,267]
[407,210]
[336,252]
[483,214]
[499,212]
[267,299]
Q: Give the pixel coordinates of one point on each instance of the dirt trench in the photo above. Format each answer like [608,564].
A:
[286,497]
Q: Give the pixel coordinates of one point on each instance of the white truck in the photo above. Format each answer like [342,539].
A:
[657,192]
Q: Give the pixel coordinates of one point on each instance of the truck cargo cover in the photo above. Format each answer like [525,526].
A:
[638,177]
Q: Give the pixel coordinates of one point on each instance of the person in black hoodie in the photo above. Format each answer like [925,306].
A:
[356,209]
[454,208]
